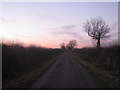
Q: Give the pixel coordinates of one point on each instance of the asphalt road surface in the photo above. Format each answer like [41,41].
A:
[66,73]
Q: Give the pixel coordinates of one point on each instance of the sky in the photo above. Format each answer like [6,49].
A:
[51,23]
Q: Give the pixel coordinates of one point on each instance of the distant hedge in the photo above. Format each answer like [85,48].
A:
[105,57]
[17,59]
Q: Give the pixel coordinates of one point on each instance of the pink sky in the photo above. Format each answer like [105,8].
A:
[50,24]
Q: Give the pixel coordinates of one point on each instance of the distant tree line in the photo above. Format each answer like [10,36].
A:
[72,44]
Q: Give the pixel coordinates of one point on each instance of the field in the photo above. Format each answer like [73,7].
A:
[103,63]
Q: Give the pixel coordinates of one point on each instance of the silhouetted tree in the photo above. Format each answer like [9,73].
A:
[63,46]
[72,44]
[97,29]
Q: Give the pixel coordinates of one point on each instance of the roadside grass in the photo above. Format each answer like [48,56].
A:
[27,79]
[106,78]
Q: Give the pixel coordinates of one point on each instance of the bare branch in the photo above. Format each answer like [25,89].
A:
[97,29]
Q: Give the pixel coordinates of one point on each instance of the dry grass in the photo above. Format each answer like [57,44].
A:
[21,65]
[27,79]
[107,78]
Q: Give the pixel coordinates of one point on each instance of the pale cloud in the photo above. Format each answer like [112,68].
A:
[68,30]
[75,32]
[72,30]
[4,19]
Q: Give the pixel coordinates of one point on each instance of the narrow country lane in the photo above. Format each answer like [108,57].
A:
[66,73]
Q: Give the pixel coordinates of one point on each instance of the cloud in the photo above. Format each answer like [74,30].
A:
[68,27]
[23,36]
[66,30]
[4,19]
[72,33]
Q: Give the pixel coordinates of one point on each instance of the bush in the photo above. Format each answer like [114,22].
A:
[17,59]
[105,57]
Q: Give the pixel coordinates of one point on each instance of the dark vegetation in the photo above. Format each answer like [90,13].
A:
[17,60]
[105,59]
[72,44]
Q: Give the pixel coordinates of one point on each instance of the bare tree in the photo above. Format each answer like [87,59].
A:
[72,44]
[97,29]
[63,46]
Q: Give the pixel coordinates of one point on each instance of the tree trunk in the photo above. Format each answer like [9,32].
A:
[98,41]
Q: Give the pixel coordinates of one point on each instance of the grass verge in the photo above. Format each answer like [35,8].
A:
[27,79]
[106,78]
